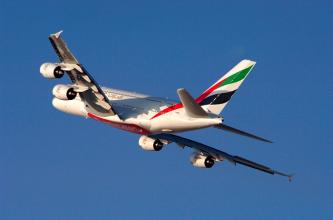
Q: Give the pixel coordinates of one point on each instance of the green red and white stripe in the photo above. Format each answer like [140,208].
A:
[216,97]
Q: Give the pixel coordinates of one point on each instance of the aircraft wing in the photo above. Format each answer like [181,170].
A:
[218,155]
[90,92]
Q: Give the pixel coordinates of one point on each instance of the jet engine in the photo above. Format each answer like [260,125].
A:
[150,144]
[202,161]
[51,70]
[75,107]
[64,92]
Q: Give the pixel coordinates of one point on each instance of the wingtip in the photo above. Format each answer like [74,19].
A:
[290,177]
[57,35]
[266,140]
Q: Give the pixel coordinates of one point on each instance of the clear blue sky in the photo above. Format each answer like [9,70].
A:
[58,166]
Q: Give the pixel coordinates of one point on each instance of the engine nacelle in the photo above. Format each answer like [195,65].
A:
[51,70]
[202,161]
[64,92]
[150,144]
[75,107]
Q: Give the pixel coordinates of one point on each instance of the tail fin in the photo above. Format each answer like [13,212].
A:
[216,97]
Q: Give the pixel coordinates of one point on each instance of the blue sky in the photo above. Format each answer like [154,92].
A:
[58,166]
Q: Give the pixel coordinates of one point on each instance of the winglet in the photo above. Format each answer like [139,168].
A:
[290,176]
[57,35]
[191,107]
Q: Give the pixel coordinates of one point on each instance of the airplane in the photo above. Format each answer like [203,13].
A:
[156,119]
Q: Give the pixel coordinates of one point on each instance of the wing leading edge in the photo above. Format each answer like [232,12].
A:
[90,92]
[217,154]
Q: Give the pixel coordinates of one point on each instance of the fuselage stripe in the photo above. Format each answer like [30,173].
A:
[124,126]
[198,100]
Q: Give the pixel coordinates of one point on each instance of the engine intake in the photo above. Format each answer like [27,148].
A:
[64,92]
[150,144]
[202,161]
[51,70]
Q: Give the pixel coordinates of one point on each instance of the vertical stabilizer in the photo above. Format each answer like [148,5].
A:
[216,97]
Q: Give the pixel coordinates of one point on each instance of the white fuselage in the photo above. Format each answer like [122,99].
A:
[141,114]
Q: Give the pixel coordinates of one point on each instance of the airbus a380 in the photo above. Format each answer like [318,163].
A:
[157,120]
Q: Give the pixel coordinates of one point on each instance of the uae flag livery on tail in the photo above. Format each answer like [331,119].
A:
[216,97]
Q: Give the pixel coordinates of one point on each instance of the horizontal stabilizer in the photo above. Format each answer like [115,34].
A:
[191,107]
[243,133]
